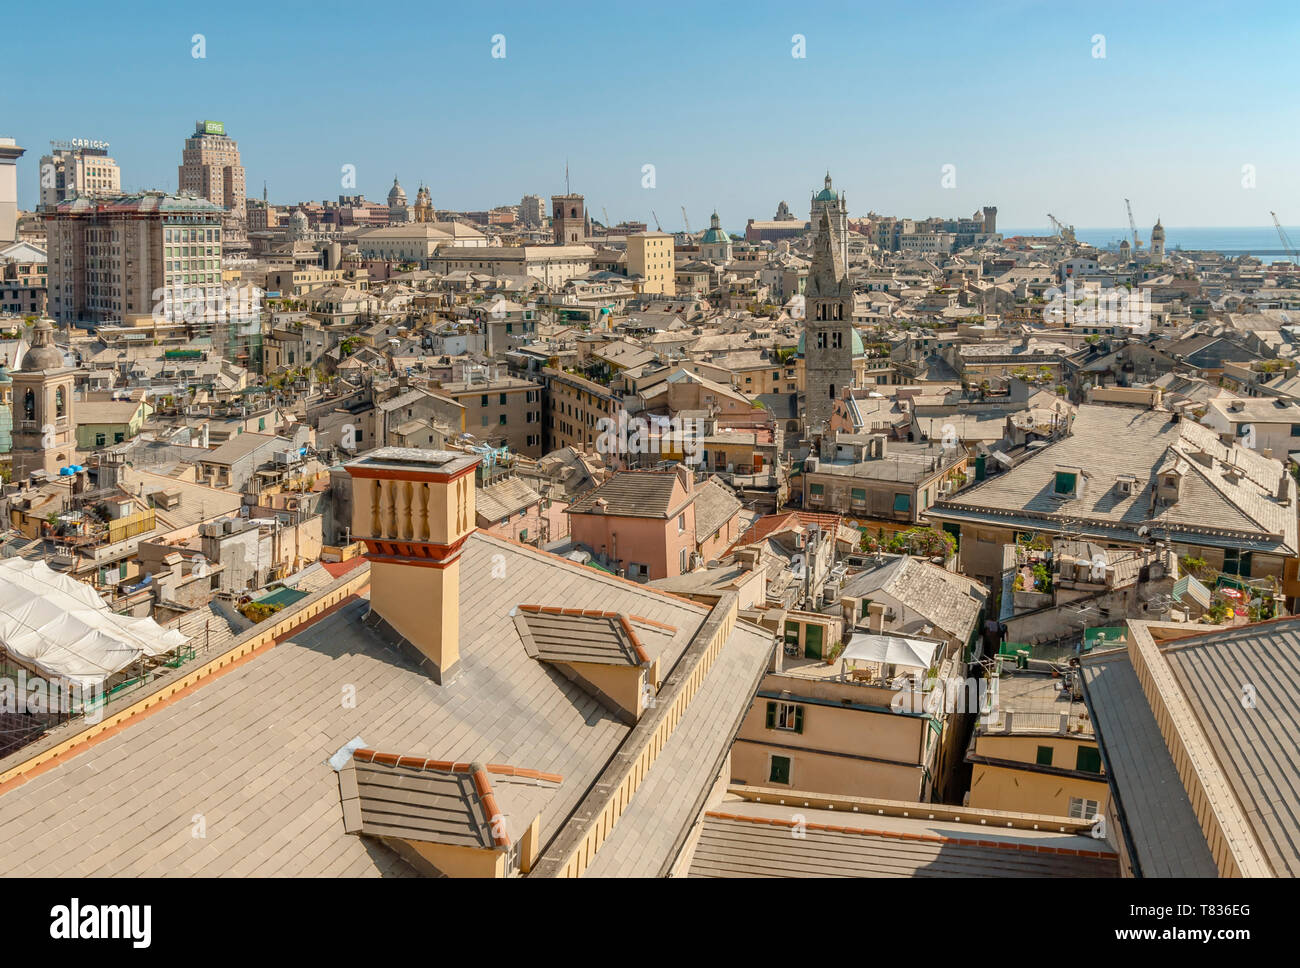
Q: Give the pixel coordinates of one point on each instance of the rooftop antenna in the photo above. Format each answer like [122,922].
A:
[566,176]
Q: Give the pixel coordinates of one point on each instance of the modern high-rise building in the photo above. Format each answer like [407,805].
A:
[532,210]
[77,167]
[210,168]
[9,155]
[130,255]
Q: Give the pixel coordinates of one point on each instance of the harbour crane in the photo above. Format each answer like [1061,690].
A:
[605,212]
[1137,243]
[1286,239]
[1064,233]
[686,221]
[658,227]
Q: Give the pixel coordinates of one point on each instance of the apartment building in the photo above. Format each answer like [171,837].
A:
[1036,752]
[502,410]
[651,255]
[574,408]
[884,484]
[134,255]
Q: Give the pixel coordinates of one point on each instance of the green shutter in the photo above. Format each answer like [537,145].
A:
[902,502]
[1088,760]
[798,719]
[1044,756]
[771,715]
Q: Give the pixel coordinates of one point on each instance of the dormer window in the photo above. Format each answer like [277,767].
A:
[1066,483]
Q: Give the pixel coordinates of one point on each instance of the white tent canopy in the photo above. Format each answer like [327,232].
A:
[63,629]
[890,650]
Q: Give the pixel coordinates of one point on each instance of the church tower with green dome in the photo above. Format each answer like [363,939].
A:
[831,202]
[715,245]
[829,337]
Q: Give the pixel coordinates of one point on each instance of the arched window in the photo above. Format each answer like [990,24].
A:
[29,405]
[60,403]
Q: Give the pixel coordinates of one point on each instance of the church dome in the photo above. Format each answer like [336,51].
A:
[43,355]
[396,195]
[827,194]
[299,217]
[715,235]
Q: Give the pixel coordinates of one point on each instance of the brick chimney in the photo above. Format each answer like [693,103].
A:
[414,509]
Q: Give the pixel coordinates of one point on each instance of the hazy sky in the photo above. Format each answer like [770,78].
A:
[1009,93]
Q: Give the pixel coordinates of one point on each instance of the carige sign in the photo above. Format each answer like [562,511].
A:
[214,127]
[75,143]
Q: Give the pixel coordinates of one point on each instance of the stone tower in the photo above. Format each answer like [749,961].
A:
[1158,242]
[568,219]
[991,219]
[835,205]
[829,336]
[44,434]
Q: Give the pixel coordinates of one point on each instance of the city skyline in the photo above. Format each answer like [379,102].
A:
[738,149]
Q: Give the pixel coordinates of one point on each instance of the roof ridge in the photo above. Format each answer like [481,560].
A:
[901,835]
[590,572]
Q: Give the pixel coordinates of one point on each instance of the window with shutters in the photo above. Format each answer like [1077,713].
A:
[1088,760]
[785,715]
[780,770]
[1044,756]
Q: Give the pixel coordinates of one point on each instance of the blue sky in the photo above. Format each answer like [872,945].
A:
[1007,91]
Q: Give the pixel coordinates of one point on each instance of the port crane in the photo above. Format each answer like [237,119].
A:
[1137,242]
[1285,239]
[686,221]
[658,227]
[1064,233]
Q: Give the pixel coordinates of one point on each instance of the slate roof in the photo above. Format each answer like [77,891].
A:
[504,499]
[747,839]
[462,804]
[1257,745]
[1163,836]
[248,749]
[947,600]
[715,505]
[580,635]
[1213,507]
[638,494]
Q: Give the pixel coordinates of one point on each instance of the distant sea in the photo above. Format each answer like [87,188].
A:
[1258,241]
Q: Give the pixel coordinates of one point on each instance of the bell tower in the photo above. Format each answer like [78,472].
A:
[44,432]
[828,328]
[414,510]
